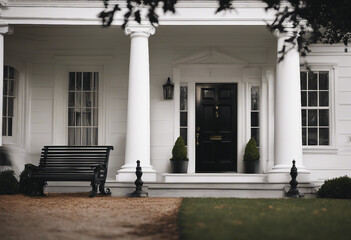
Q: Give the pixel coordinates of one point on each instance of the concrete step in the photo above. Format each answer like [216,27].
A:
[161,189]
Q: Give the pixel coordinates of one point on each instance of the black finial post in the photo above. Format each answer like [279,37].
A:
[138,183]
[294,192]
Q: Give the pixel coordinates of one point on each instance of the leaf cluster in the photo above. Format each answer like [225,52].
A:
[312,21]
[336,188]
[8,183]
[251,151]
[179,152]
[29,186]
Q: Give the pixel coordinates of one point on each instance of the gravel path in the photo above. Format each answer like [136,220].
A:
[76,216]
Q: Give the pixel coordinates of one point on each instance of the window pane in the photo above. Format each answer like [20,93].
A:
[72,81]
[86,117]
[87,81]
[71,119]
[6,71]
[78,117]
[86,138]
[303,80]
[95,117]
[95,99]
[324,136]
[324,99]
[86,99]
[255,133]
[4,126]
[11,73]
[183,119]
[312,98]
[77,137]
[95,136]
[304,136]
[254,98]
[70,136]
[4,107]
[184,135]
[303,118]
[78,81]
[324,80]
[312,81]
[78,99]
[10,107]
[312,136]
[304,98]
[9,127]
[324,117]
[183,98]
[5,87]
[71,99]
[96,81]
[11,88]
[254,119]
[312,117]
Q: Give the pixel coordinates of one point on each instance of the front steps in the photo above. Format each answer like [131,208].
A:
[162,189]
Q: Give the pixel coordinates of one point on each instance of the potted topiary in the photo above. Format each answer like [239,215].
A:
[251,156]
[179,160]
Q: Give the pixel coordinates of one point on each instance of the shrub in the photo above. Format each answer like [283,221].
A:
[8,183]
[336,188]
[251,151]
[179,152]
[27,185]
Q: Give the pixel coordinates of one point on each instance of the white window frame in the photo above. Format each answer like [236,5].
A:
[332,69]
[101,100]
[18,123]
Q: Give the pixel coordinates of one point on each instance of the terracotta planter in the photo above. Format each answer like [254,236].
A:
[179,166]
[251,166]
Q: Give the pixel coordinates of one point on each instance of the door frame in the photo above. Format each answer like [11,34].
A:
[191,74]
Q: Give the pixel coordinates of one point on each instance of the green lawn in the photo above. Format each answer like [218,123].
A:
[259,219]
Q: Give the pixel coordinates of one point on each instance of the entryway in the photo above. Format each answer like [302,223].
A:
[216,127]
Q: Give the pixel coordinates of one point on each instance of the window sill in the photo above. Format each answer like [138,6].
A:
[319,150]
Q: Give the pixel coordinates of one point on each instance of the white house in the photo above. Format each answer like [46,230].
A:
[67,80]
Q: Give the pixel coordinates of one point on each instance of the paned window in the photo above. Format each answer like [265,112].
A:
[255,113]
[184,113]
[10,76]
[83,108]
[315,107]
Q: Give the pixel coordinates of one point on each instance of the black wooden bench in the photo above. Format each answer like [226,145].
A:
[73,163]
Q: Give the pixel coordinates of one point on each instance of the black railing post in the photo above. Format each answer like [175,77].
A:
[138,183]
[294,192]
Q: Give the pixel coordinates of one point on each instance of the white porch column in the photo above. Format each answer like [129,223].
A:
[4,28]
[287,131]
[138,117]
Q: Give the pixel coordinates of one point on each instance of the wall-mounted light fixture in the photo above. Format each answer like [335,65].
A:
[168,89]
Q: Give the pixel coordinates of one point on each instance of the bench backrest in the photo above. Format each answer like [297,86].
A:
[74,158]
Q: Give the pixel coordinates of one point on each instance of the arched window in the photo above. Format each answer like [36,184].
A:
[8,108]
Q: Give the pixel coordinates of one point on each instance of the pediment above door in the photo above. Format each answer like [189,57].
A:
[210,56]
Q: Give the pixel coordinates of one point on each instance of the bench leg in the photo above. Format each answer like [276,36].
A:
[102,189]
[94,187]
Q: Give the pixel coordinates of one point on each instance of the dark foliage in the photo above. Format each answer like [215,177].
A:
[4,158]
[29,186]
[312,21]
[179,152]
[336,188]
[8,183]
[251,151]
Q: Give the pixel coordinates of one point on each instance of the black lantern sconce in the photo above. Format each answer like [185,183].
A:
[168,89]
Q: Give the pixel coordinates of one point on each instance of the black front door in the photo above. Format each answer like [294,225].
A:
[216,127]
